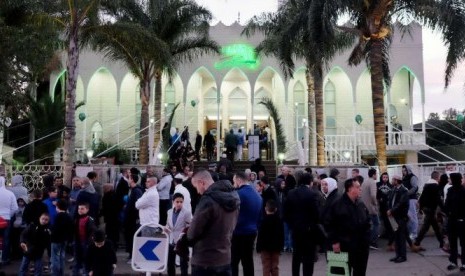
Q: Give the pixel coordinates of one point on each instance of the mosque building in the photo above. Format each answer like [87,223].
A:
[225,89]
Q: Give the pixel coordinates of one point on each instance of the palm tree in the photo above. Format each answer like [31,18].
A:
[298,30]
[78,20]
[373,23]
[163,34]
[46,115]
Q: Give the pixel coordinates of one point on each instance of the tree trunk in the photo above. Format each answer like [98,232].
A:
[317,74]
[32,131]
[72,67]
[311,118]
[144,121]
[378,103]
[157,108]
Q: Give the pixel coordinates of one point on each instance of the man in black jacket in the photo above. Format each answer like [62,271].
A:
[302,214]
[131,214]
[455,211]
[398,209]
[348,227]
[430,200]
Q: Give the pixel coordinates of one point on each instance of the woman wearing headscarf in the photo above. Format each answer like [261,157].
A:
[330,192]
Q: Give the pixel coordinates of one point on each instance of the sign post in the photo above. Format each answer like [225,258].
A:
[150,249]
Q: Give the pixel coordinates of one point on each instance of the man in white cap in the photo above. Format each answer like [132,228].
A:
[179,188]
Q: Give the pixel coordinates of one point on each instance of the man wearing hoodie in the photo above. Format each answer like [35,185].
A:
[17,187]
[89,196]
[410,181]
[212,225]
[8,207]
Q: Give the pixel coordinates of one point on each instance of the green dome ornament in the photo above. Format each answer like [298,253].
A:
[82,116]
[358,119]
[460,118]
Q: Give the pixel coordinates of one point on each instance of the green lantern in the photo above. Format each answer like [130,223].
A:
[358,119]
[82,116]
[459,118]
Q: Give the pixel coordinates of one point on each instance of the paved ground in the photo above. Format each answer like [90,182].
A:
[430,262]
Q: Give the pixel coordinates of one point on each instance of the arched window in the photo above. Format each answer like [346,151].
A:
[210,103]
[237,103]
[170,100]
[299,110]
[259,111]
[97,133]
[330,108]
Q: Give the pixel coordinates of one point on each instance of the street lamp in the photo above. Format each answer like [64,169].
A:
[280,158]
[89,154]
[346,155]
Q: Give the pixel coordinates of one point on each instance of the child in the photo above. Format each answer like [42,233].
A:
[270,239]
[35,208]
[62,233]
[101,258]
[34,240]
[85,228]
[18,227]
[50,201]
[178,219]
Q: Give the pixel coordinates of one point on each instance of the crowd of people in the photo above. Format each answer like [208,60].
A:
[224,215]
[181,151]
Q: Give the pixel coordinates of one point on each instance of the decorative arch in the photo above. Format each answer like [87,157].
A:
[237,110]
[201,89]
[406,96]
[102,104]
[338,99]
[129,109]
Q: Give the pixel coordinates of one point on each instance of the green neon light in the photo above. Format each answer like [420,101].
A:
[238,55]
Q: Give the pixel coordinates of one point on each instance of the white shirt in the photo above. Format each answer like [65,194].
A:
[187,196]
[148,206]
[446,189]
[164,186]
[8,204]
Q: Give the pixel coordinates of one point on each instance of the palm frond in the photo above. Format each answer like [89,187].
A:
[274,113]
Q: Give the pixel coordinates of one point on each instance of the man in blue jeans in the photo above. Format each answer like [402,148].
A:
[212,225]
[244,235]
[62,233]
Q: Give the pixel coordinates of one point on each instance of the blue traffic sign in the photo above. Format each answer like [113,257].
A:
[147,250]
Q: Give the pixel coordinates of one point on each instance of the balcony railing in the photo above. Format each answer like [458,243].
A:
[348,148]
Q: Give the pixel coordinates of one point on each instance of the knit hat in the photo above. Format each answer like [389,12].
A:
[99,236]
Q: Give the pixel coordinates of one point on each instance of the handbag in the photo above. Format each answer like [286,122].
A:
[337,263]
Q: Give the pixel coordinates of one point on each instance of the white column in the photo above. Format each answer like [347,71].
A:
[218,129]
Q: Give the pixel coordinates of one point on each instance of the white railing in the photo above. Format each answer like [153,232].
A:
[345,149]
[340,149]
[395,139]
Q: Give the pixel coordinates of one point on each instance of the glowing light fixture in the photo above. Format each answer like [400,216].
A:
[238,55]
